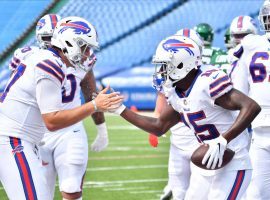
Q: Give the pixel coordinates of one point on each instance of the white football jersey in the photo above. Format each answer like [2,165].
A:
[183,137]
[252,74]
[71,97]
[71,93]
[21,54]
[207,120]
[20,115]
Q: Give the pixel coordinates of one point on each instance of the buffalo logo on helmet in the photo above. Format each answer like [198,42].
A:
[78,27]
[40,24]
[174,45]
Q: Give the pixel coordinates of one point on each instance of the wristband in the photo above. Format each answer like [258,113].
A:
[94,104]
[120,109]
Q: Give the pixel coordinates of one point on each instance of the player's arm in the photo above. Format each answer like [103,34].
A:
[158,126]
[249,109]
[160,103]
[49,99]
[88,85]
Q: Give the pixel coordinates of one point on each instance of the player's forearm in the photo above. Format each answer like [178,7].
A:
[88,86]
[64,118]
[98,118]
[148,124]
[160,104]
[247,114]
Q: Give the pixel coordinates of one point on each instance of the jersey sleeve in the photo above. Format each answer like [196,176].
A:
[15,60]
[45,88]
[219,84]
[50,69]
[239,76]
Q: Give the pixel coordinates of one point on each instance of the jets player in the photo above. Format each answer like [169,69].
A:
[183,142]
[207,34]
[32,102]
[220,57]
[71,98]
[203,99]
[252,77]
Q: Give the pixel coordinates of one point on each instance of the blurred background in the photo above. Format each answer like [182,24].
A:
[129,32]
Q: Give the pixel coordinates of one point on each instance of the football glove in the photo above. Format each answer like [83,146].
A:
[215,152]
[102,140]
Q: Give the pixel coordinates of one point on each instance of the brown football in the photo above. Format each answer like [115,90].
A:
[199,153]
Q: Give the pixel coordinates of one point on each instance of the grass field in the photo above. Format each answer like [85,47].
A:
[129,169]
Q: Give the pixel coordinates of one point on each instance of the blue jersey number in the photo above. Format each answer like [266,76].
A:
[212,130]
[15,76]
[25,49]
[258,70]
[73,85]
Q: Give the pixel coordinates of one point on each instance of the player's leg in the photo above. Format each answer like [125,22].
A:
[179,172]
[260,158]
[230,185]
[46,153]
[199,185]
[71,156]
[21,172]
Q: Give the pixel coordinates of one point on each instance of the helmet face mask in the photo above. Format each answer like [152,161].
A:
[77,38]
[264,17]
[159,77]
[175,57]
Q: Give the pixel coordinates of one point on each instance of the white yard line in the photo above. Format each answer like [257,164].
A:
[126,188]
[128,148]
[147,191]
[128,157]
[125,181]
[122,127]
[126,167]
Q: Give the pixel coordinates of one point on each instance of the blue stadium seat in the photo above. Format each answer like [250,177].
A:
[16,16]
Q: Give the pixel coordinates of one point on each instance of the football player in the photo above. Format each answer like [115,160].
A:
[207,34]
[252,77]
[182,139]
[32,102]
[203,98]
[220,57]
[53,141]
[65,152]
[240,27]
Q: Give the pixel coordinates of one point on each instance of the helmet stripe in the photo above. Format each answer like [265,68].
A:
[186,32]
[74,25]
[53,20]
[240,22]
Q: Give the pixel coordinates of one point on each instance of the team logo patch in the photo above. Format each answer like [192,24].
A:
[174,45]
[78,27]
[40,24]
[17,149]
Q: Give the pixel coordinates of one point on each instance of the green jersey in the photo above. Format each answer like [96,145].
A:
[207,54]
[220,59]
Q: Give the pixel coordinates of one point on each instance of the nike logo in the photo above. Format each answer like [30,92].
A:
[75,131]
[214,77]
